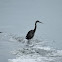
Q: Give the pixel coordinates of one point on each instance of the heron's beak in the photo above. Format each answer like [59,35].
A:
[41,22]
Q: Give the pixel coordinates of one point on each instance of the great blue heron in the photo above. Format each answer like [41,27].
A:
[31,33]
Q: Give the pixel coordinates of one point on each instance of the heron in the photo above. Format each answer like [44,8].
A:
[31,33]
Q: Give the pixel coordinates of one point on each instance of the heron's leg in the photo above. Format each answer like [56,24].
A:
[28,42]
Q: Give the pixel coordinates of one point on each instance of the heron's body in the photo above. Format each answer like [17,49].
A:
[31,33]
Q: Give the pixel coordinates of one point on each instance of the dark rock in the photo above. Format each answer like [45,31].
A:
[1,32]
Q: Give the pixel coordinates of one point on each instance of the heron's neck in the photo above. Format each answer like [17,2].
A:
[35,27]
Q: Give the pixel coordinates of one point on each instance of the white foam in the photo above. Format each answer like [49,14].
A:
[22,60]
[34,52]
[43,55]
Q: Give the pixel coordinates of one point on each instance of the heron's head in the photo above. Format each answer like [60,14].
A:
[38,21]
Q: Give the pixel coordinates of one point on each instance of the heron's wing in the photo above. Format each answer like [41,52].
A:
[30,34]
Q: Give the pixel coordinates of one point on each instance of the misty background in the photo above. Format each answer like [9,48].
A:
[19,16]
